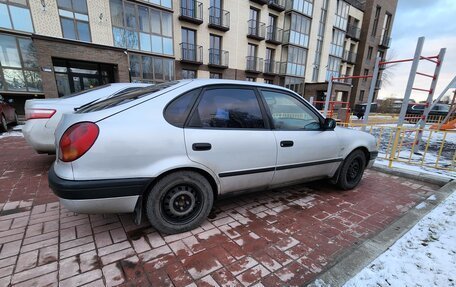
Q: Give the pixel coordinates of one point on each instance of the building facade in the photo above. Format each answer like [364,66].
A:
[52,48]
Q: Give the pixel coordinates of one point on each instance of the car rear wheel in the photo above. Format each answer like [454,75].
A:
[3,124]
[179,202]
[352,170]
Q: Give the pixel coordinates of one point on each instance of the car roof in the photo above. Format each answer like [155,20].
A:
[121,85]
[204,82]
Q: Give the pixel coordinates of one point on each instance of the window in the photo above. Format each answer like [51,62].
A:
[215,75]
[250,79]
[177,111]
[295,61]
[228,108]
[303,6]
[163,3]
[269,81]
[215,51]
[74,19]
[288,113]
[18,65]
[333,68]
[366,72]
[299,30]
[188,74]
[375,23]
[189,49]
[149,69]
[337,43]
[142,28]
[369,53]
[361,96]
[341,19]
[254,22]
[15,15]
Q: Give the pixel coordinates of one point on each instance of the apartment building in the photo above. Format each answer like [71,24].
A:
[52,48]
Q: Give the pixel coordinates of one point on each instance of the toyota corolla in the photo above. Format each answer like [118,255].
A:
[171,149]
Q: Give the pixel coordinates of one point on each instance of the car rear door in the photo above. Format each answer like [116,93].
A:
[227,132]
[305,151]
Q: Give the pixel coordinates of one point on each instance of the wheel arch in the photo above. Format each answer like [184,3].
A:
[364,149]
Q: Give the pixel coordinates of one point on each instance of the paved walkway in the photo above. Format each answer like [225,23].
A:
[274,238]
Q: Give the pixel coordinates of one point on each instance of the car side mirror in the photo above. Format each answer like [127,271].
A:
[10,101]
[329,124]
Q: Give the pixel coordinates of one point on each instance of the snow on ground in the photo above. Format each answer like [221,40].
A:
[416,168]
[424,256]
[15,131]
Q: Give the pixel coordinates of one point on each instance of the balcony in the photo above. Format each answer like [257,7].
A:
[271,67]
[295,38]
[193,14]
[253,64]
[345,81]
[278,5]
[353,32]
[349,57]
[192,54]
[218,58]
[261,2]
[219,19]
[385,41]
[256,30]
[274,35]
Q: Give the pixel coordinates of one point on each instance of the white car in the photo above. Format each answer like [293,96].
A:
[173,148]
[43,115]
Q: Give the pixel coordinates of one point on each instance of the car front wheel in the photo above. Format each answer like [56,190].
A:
[179,202]
[352,170]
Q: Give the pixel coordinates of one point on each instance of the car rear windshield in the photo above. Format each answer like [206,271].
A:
[125,98]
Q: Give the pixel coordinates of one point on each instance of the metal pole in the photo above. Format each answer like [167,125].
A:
[328,96]
[408,92]
[422,122]
[370,97]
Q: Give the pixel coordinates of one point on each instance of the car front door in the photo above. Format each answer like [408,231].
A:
[305,151]
[227,132]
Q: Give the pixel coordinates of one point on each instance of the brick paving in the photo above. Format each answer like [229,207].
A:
[284,237]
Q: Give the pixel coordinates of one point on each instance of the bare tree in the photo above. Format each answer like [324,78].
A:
[387,72]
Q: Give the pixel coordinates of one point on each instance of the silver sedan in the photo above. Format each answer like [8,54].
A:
[43,115]
[170,150]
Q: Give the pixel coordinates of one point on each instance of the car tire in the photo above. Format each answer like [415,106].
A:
[15,121]
[3,124]
[352,170]
[179,202]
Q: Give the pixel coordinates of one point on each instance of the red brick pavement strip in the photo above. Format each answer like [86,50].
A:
[274,238]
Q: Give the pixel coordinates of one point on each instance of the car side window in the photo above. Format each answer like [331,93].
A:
[177,111]
[289,113]
[228,108]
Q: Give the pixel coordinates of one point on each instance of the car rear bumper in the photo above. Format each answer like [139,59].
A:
[98,196]
[373,155]
[38,136]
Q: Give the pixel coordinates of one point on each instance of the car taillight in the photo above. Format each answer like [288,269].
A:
[31,114]
[77,140]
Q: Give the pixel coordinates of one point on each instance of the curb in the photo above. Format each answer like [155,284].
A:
[420,176]
[351,262]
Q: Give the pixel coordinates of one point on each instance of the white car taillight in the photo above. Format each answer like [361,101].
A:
[31,114]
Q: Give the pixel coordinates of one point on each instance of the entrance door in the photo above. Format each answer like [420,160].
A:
[304,150]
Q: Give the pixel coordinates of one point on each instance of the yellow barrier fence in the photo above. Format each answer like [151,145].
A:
[437,149]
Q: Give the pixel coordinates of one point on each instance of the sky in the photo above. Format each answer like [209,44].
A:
[436,21]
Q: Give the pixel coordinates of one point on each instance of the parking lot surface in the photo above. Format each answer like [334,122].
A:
[280,237]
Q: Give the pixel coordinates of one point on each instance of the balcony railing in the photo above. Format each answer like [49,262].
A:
[191,53]
[271,67]
[274,35]
[278,5]
[256,29]
[346,81]
[193,13]
[262,2]
[385,41]
[254,64]
[350,57]
[219,19]
[353,32]
[218,58]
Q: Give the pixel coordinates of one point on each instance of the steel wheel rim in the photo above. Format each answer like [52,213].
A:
[181,204]
[354,170]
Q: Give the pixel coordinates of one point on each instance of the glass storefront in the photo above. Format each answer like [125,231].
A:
[75,76]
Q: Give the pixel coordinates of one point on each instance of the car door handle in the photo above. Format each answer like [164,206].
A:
[286,143]
[201,146]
